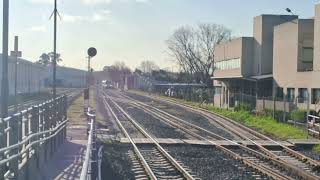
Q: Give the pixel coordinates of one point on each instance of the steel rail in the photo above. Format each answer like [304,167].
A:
[135,148]
[209,115]
[159,147]
[297,155]
[275,158]
[261,168]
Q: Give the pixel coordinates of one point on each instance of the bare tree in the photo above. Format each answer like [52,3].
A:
[117,71]
[148,66]
[193,49]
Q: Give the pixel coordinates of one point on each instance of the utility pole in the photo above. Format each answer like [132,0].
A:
[54,61]
[16,53]
[4,80]
[88,76]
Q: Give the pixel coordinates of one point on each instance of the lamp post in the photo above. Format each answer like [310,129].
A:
[54,61]
[4,80]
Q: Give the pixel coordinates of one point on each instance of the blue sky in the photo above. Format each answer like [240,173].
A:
[129,30]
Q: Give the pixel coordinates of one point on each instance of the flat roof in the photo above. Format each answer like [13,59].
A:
[264,76]
[180,84]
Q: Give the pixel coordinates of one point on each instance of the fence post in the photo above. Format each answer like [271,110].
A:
[94,162]
[3,143]
[65,117]
[284,107]
[46,125]
[14,139]
[35,129]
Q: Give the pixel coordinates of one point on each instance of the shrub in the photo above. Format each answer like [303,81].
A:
[243,107]
[298,115]
[316,148]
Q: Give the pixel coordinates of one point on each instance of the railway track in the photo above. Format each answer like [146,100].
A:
[154,160]
[284,152]
[278,164]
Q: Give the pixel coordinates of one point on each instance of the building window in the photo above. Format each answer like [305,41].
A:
[217,90]
[315,95]
[307,59]
[303,95]
[290,94]
[228,64]
[279,93]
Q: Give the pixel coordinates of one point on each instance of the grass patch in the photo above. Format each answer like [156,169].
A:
[316,148]
[75,110]
[264,124]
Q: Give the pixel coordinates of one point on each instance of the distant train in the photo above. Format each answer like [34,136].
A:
[107,84]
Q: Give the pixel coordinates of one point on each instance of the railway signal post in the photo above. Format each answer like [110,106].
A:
[91,53]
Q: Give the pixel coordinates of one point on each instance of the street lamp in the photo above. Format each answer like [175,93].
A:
[4,80]
[54,61]
[289,11]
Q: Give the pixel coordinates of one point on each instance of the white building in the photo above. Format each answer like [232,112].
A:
[30,76]
[66,77]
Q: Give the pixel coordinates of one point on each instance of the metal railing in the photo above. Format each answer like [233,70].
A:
[314,125]
[90,164]
[32,135]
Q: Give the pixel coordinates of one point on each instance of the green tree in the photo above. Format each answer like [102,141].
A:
[58,58]
[44,59]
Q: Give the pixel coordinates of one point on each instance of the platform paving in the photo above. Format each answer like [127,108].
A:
[66,163]
[304,141]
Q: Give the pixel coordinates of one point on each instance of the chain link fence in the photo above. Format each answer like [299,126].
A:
[189,93]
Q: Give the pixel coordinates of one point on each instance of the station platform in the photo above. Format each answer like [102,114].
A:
[67,162]
[169,141]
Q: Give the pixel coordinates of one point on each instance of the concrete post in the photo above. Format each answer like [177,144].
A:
[14,139]
[35,129]
[284,105]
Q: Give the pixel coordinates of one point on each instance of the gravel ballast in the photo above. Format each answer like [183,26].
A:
[211,163]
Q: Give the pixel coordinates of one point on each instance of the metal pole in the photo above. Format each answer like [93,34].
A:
[89,67]
[15,84]
[4,81]
[54,62]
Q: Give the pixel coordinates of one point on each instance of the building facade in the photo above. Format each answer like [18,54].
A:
[280,65]
[243,66]
[30,76]
[66,77]
[296,71]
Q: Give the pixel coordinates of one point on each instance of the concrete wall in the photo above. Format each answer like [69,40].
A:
[263,41]
[247,56]
[30,76]
[316,61]
[289,39]
[236,48]
[67,77]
